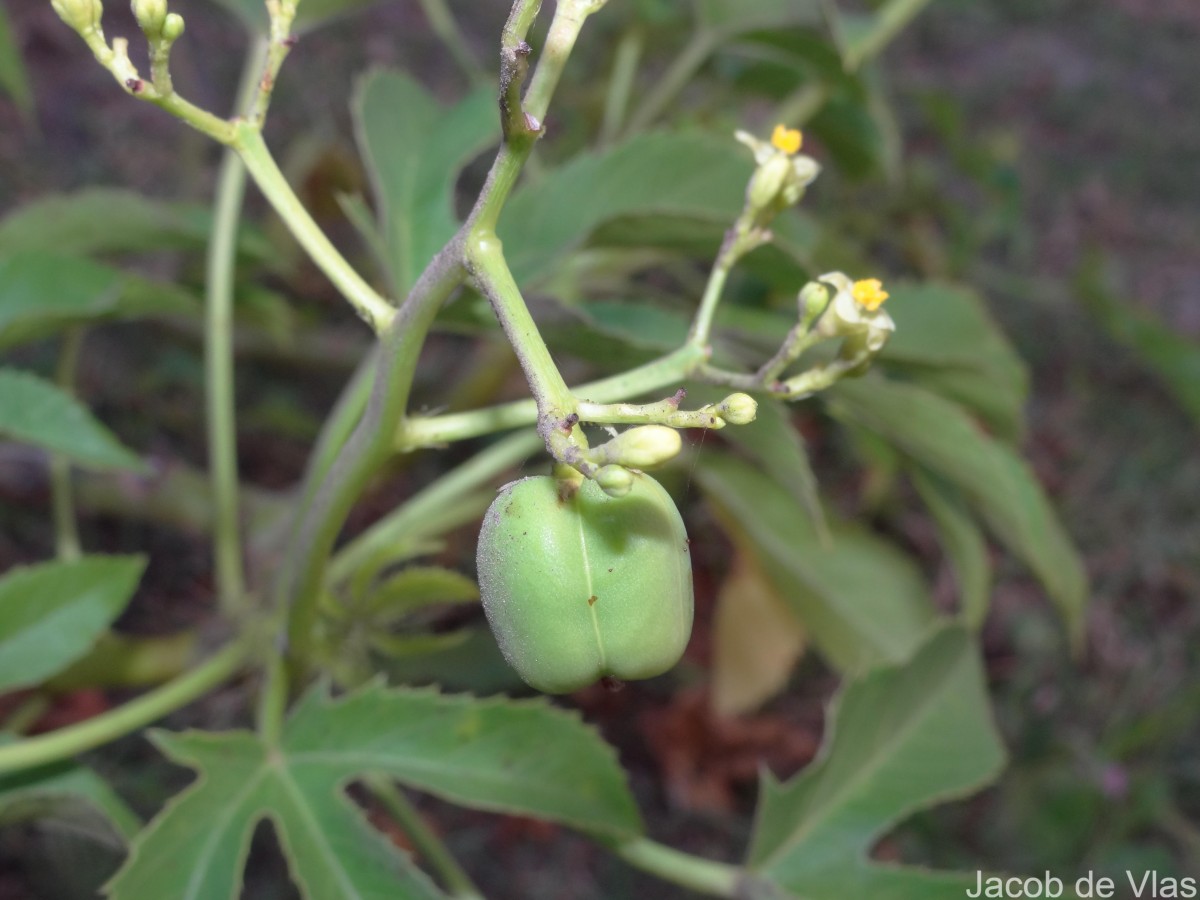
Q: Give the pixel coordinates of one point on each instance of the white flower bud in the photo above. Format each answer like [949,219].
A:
[639,448]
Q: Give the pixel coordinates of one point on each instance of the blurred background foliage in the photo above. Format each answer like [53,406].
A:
[1041,154]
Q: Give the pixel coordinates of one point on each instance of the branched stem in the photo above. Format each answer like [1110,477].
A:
[131,716]
[367,302]
[432,431]
[282,13]
[218,361]
[702,875]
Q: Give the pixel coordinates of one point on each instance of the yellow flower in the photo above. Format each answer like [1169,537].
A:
[788,140]
[869,293]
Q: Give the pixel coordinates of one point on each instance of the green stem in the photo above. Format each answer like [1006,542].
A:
[701,329]
[368,447]
[302,573]
[218,361]
[272,699]
[367,302]
[277,46]
[433,431]
[134,715]
[425,842]
[550,393]
[890,20]
[451,487]
[66,526]
[674,80]
[441,20]
[702,875]
[621,83]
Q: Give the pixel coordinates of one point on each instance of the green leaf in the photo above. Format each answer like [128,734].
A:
[899,739]
[66,224]
[14,80]
[998,484]
[860,599]
[41,294]
[34,411]
[963,541]
[1173,357]
[774,442]
[414,148]
[417,586]
[861,36]
[946,340]
[67,793]
[523,757]
[693,176]
[729,17]
[51,614]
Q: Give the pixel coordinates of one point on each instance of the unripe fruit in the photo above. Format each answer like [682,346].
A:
[579,586]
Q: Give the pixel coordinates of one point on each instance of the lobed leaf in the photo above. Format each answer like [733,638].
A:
[65,225]
[946,340]
[940,436]
[43,293]
[34,411]
[509,756]
[414,148]
[67,793]
[51,614]
[963,541]
[859,598]
[899,739]
[686,175]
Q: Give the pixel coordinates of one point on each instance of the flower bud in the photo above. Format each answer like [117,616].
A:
[768,182]
[150,15]
[616,481]
[80,15]
[738,409]
[172,27]
[813,299]
[639,448]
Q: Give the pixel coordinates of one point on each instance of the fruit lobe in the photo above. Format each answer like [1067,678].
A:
[578,585]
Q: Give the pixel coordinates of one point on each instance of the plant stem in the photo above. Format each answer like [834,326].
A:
[441,20]
[66,526]
[451,487]
[702,875]
[432,431]
[621,83]
[272,699]
[136,714]
[425,842]
[277,46]
[368,447]
[302,573]
[698,48]
[890,20]
[218,360]
[701,328]
[367,302]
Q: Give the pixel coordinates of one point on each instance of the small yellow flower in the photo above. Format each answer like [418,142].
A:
[789,140]
[869,293]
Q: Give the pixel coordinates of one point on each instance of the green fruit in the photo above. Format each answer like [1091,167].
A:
[578,585]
